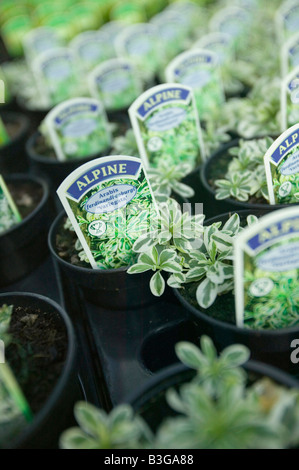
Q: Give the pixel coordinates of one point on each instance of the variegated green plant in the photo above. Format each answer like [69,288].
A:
[166,179]
[190,254]
[120,429]
[125,144]
[245,176]
[218,408]
[166,249]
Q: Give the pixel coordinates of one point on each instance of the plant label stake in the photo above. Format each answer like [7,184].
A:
[166,125]
[56,75]
[198,69]
[40,40]
[287,20]
[231,20]
[219,43]
[172,32]
[116,83]
[91,48]
[290,55]
[78,128]
[9,214]
[139,42]
[282,168]
[110,204]
[266,270]
[4,137]
[12,395]
[290,99]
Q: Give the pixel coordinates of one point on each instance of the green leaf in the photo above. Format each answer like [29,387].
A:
[232,224]
[235,355]
[144,243]
[91,420]
[74,438]
[206,293]
[171,267]
[190,355]
[139,268]
[208,348]
[157,284]
[166,255]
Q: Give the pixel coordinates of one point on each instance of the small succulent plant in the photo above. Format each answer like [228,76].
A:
[217,409]
[245,176]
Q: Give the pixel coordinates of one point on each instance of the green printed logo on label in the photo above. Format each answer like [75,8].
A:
[78,128]
[110,204]
[166,125]
[267,271]
[282,168]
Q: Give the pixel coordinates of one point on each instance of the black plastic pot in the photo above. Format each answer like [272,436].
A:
[149,400]
[53,170]
[111,288]
[24,246]
[269,346]
[13,158]
[57,413]
[216,167]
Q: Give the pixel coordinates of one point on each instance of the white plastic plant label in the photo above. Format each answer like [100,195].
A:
[173,33]
[40,40]
[267,271]
[289,108]
[9,213]
[78,128]
[110,204]
[282,168]
[199,69]
[116,83]
[139,42]
[219,43]
[233,21]
[91,48]
[56,75]
[287,20]
[166,125]
[290,55]
[188,13]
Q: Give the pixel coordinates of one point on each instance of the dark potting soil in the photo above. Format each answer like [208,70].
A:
[26,195]
[219,170]
[12,128]
[37,352]
[223,308]
[42,148]
[65,246]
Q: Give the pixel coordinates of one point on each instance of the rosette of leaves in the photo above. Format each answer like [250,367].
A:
[166,180]
[259,112]
[166,248]
[214,134]
[245,177]
[189,253]
[217,409]
[237,75]
[99,430]
[125,144]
